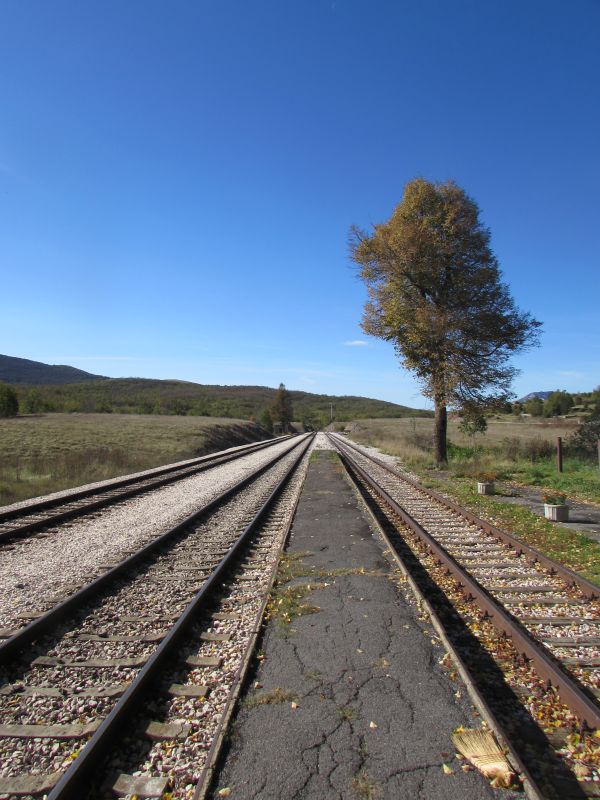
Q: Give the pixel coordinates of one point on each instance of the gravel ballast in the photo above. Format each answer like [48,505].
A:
[35,572]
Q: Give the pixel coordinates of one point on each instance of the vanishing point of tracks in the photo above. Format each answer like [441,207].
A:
[125,686]
[549,614]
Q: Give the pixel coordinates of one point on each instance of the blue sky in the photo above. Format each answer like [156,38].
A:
[177,179]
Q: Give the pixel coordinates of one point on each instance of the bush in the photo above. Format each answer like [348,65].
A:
[9,403]
[537,449]
[585,439]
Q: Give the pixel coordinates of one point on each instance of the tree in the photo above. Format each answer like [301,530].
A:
[266,420]
[435,291]
[33,402]
[557,404]
[534,406]
[587,435]
[281,409]
[9,402]
[472,423]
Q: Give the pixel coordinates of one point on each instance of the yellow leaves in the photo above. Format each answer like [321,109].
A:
[447,770]
[372,725]
[224,792]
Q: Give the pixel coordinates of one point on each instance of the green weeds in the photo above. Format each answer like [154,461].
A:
[274,697]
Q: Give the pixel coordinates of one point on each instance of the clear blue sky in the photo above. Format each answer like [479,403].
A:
[177,179]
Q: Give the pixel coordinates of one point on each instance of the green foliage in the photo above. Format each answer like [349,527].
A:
[558,404]
[534,406]
[473,423]
[181,398]
[33,402]
[282,410]
[266,420]
[435,291]
[585,440]
[9,402]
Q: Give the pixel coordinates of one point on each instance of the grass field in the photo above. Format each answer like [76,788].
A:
[519,451]
[46,453]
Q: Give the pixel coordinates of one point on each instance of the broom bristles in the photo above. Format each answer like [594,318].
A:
[482,750]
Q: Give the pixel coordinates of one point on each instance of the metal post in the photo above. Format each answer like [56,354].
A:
[559,458]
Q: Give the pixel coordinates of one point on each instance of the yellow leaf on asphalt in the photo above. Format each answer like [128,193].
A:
[294,706]
[372,724]
[224,792]
[447,770]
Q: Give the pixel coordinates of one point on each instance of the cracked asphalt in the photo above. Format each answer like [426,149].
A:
[375,711]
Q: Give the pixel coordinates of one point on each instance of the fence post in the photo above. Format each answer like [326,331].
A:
[559,460]
[598,453]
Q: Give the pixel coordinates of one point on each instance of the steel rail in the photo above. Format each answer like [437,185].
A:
[587,588]
[138,485]
[532,789]
[44,623]
[75,780]
[587,711]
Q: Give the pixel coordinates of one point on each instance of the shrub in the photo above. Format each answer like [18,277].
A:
[9,403]
[537,449]
[586,437]
[554,498]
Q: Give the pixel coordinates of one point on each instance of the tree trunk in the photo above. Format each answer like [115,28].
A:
[441,430]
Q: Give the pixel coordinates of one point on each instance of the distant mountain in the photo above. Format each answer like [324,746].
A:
[35,373]
[531,395]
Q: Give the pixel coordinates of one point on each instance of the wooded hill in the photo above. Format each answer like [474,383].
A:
[146,396]
[22,370]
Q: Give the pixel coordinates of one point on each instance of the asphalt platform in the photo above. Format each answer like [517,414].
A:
[349,701]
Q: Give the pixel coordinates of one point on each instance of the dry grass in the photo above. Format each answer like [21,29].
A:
[46,453]
[410,436]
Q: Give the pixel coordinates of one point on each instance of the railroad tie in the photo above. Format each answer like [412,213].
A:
[48,731]
[23,785]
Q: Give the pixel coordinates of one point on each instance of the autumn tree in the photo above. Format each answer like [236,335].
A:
[281,409]
[435,291]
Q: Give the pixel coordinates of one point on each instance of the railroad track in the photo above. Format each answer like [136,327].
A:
[145,650]
[548,613]
[32,517]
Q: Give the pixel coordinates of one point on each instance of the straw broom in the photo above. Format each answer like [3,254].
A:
[482,750]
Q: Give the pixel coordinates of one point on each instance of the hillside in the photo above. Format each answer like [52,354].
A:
[45,387]
[23,371]
[147,396]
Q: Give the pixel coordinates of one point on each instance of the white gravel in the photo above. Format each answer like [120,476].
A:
[34,572]
[147,594]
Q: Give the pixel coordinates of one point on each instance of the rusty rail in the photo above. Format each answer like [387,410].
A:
[586,710]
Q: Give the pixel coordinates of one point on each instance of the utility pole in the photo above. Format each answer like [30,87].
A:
[330,412]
